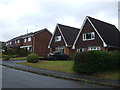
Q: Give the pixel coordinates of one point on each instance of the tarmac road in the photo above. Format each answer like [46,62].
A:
[12,78]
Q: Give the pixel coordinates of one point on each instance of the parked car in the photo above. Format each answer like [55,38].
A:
[56,55]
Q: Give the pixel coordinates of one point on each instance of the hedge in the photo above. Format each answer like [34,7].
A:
[96,61]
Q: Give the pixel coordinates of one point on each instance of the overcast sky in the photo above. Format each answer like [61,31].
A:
[16,16]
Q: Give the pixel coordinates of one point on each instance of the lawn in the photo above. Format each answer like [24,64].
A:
[66,66]
[19,58]
[62,66]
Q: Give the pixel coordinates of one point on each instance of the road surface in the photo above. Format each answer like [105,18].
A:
[12,78]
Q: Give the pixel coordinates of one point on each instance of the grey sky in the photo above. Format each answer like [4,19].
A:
[16,16]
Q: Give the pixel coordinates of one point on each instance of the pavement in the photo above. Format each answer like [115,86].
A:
[76,77]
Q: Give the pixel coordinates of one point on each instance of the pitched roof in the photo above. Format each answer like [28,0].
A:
[28,35]
[108,33]
[69,34]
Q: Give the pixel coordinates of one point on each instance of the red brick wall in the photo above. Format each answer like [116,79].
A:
[27,43]
[41,43]
[56,44]
[69,51]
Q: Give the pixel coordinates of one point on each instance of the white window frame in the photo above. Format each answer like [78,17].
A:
[60,48]
[85,37]
[25,40]
[18,41]
[79,49]
[58,38]
[10,43]
[15,41]
[29,39]
[94,48]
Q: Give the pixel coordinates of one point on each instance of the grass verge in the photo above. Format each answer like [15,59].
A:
[66,66]
[61,66]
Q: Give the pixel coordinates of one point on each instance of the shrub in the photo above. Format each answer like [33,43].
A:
[23,52]
[10,51]
[6,57]
[33,58]
[96,61]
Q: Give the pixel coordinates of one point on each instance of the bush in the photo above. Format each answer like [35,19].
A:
[96,61]
[23,52]
[33,58]
[6,57]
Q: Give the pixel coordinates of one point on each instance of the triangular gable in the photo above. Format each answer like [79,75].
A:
[87,18]
[57,26]
[109,33]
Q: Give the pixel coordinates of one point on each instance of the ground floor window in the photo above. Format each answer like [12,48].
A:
[80,50]
[94,48]
[60,48]
[29,47]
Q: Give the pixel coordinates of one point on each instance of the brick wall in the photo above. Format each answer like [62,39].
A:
[40,43]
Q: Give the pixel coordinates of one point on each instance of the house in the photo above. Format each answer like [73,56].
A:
[36,42]
[63,39]
[97,35]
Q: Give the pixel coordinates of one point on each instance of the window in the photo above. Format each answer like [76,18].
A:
[80,50]
[29,39]
[88,36]
[25,40]
[60,48]
[15,42]
[18,41]
[57,38]
[94,48]
[10,42]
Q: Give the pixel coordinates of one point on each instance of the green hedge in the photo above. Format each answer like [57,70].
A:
[96,61]
[33,58]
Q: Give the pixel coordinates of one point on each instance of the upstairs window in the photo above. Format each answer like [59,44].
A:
[15,42]
[25,40]
[57,38]
[10,42]
[6,43]
[29,39]
[18,41]
[88,36]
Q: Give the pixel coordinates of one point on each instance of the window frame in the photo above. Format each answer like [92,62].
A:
[92,36]
[60,48]
[18,41]
[80,49]
[25,40]
[29,39]
[56,38]
[94,48]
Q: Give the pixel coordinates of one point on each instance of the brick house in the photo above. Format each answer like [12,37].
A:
[63,39]
[37,42]
[97,35]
